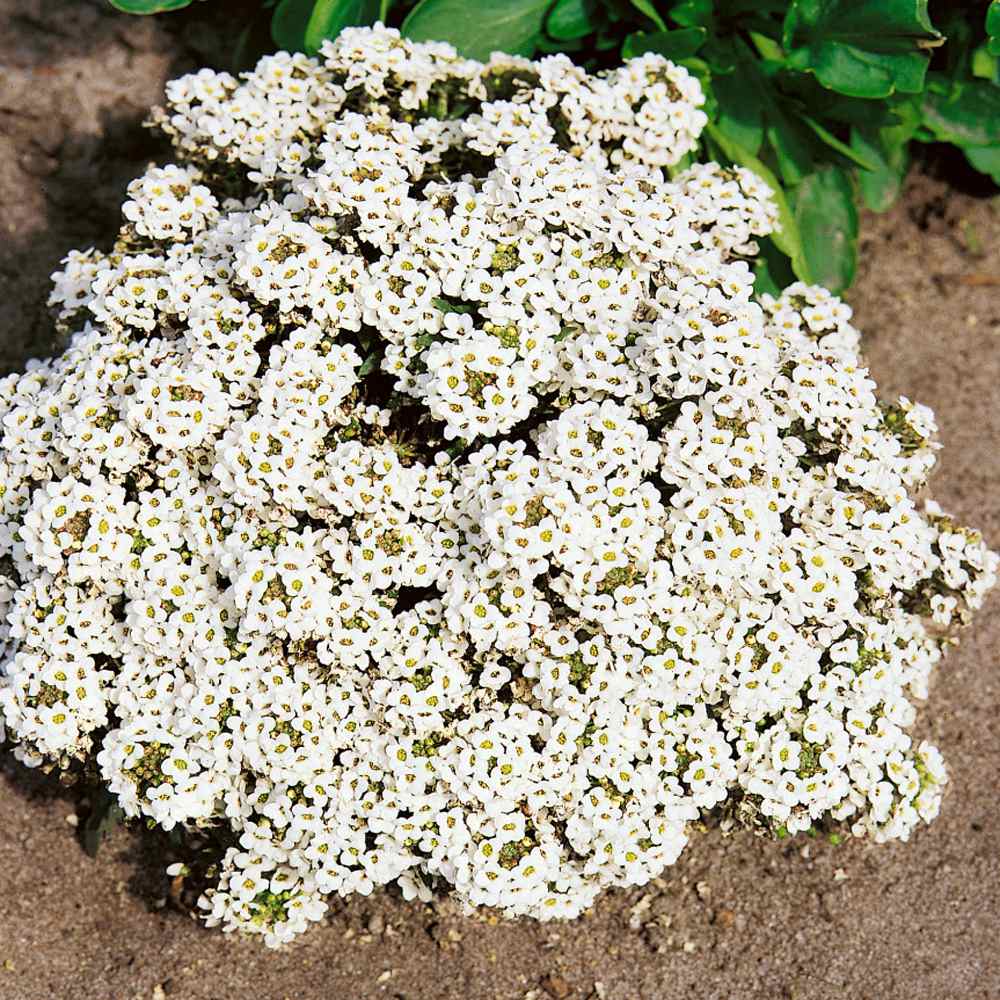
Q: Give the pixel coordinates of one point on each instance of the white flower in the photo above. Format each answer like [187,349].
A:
[425,496]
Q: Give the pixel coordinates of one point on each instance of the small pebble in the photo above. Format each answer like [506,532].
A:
[556,987]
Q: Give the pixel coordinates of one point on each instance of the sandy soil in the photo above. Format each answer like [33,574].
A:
[735,919]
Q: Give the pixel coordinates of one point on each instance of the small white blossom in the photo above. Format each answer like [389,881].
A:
[425,496]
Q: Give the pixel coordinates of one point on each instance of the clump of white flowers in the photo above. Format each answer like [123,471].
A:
[424,497]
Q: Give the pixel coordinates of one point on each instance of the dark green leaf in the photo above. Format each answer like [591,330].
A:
[772,270]
[252,42]
[288,24]
[105,815]
[855,156]
[790,148]
[829,106]
[571,18]
[739,112]
[786,238]
[692,13]
[306,24]
[148,6]
[965,112]
[827,220]
[477,28]
[674,45]
[862,48]
[646,7]
[790,141]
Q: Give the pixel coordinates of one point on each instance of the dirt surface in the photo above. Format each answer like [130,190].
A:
[737,918]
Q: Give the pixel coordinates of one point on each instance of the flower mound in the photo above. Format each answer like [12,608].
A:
[425,497]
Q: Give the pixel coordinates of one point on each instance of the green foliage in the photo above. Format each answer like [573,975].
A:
[822,98]
[148,6]
[862,48]
[304,24]
[478,28]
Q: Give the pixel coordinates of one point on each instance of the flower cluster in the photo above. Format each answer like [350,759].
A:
[424,497]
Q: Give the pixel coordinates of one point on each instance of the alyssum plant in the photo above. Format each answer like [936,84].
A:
[424,497]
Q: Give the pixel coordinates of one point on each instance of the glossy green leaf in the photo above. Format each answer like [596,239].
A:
[985,159]
[330,17]
[786,238]
[148,6]
[863,48]
[649,9]
[478,28]
[965,112]
[993,27]
[673,45]
[571,19]
[827,220]
[303,25]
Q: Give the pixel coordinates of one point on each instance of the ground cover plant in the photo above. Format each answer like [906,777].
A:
[822,98]
[424,497]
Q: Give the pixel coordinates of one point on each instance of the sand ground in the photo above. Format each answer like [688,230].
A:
[737,918]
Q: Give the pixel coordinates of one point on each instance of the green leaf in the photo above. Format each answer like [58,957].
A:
[786,238]
[984,64]
[790,148]
[692,13]
[827,220]
[303,25]
[963,112]
[993,27]
[788,138]
[767,47]
[646,7]
[985,159]
[862,48]
[330,17]
[854,155]
[571,19]
[148,6]
[478,28]
[105,815]
[889,148]
[740,113]
[882,184]
[288,24]
[772,270]
[673,45]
